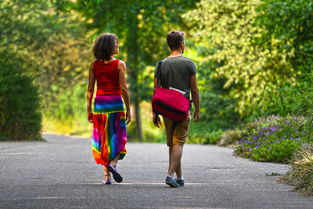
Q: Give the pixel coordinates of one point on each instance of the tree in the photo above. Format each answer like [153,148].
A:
[51,41]
[289,22]
[248,56]
[20,116]
[141,27]
[55,51]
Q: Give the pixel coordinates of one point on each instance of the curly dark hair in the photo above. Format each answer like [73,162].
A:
[174,38]
[105,46]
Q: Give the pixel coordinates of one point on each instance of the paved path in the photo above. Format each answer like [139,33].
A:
[60,173]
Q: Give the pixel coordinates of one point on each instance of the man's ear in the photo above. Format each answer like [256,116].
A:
[182,44]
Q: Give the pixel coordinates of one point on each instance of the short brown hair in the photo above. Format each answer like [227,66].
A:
[104,46]
[174,38]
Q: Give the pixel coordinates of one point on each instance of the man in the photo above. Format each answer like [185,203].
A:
[177,72]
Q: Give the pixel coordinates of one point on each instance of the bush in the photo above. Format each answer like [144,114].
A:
[203,133]
[301,173]
[66,113]
[230,137]
[274,139]
[281,151]
[20,118]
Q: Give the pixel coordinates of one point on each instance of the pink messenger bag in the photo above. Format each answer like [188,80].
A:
[168,102]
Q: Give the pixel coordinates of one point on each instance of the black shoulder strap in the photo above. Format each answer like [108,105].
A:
[158,74]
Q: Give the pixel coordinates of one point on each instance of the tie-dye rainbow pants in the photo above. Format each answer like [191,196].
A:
[109,129]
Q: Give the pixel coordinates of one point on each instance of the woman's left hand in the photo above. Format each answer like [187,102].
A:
[90,117]
[128,117]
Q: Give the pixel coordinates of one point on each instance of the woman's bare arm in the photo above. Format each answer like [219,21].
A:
[123,86]
[90,90]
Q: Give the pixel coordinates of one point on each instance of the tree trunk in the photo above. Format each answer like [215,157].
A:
[138,120]
[133,54]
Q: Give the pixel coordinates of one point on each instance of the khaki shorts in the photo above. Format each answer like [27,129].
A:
[176,132]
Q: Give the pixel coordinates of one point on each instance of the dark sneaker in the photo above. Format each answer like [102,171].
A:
[171,182]
[116,176]
[181,182]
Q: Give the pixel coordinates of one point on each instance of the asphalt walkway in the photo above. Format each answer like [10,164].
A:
[61,173]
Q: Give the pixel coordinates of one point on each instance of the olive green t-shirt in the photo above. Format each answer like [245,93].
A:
[176,73]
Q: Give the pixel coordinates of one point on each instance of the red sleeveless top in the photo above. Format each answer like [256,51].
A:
[107,77]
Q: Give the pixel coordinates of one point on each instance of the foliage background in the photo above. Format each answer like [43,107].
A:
[254,57]
[254,61]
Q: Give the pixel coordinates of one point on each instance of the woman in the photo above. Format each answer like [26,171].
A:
[109,118]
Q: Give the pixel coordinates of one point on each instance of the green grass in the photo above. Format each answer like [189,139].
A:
[73,127]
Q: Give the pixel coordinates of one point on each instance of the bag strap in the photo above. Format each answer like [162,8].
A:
[158,77]
[158,74]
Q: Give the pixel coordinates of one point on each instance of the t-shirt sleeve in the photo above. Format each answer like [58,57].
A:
[193,69]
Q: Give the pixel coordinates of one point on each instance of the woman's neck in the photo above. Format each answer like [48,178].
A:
[110,60]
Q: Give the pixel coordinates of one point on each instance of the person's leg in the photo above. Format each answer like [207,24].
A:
[179,179]
[175,160]
[112,168]
[174,165]
[117,141]
[179,139]
[107,175]
[169,128]
[178,171]
[170,148]
[115,160]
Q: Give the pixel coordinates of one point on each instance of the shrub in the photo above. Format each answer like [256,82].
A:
[301,173]
[230,137]
[20,118]
[273,139]
[66,114]
[281,151]
[213,137]
[204,132]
